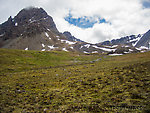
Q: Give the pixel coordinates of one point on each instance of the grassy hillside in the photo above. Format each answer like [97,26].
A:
[20,60]
[112,84]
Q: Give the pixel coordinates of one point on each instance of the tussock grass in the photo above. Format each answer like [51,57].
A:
[20,60]
[112,84]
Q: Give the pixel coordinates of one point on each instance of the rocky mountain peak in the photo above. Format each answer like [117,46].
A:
[145,40]
[30,15]
[127,40]
[28,21]
[32,12]
[67,33]
[70,37]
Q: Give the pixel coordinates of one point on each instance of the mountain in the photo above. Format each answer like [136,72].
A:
[28,22]
[128,40]
[70,37]
[33,29]
[141,40]
[132,43]
[144,41]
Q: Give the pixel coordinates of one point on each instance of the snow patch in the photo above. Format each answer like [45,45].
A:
[138,49]
[143,47]
[94,52]
[46,34]
[143,51]
[126,46]
[104,49]
[16,24]
[31,21]
[86,52]
[64,49]
[111,46]
[71,47]
[126,52]
[52,47]
[115,54]
[48,30]
[43,50]
[114,46]
[108,46]
[2,35]
[96,47]
[81,47]
[45,18]
[87,45]
[136,40]
[130,50]
[26,48]
[43,45]
[68,42]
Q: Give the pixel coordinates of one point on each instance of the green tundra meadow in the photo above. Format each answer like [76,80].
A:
[69,82]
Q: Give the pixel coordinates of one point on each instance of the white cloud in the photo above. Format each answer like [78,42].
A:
[125,17]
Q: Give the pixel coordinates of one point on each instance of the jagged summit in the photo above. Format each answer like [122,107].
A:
[145,40]
[27,22]
[70,37]
[35,15]
[33,12]
[33,29]
[128,40]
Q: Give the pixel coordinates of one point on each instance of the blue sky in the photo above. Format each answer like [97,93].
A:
[88,22]
[146,4]
[84,22]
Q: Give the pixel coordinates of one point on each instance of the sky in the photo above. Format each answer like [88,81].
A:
[92,21]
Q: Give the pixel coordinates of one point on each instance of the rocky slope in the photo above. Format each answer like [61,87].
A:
[128,40]
[128,44]
[32,29]
[27,22]
[70,37]
[144,41]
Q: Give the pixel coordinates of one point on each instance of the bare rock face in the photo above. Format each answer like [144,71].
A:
[36,16]
[33,29]
[145,40]
[128,40]
[70,37]
[27,22]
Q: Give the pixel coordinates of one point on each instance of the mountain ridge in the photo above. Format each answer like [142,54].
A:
[145,40]
[34,29]
[31,27]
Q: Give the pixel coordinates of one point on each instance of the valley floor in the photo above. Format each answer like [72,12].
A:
[32,81]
